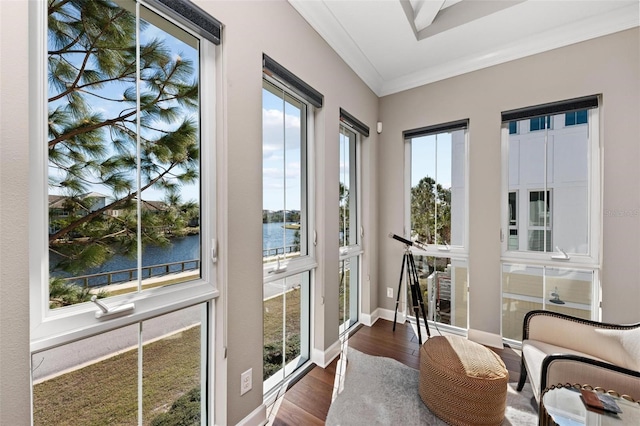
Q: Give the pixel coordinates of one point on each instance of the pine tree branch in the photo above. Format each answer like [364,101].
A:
[96,213]
[86,58]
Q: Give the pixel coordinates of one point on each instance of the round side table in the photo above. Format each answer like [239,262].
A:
[563,405]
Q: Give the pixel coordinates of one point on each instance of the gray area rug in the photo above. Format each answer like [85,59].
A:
[383,391]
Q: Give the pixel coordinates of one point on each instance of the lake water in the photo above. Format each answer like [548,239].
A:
[274,235]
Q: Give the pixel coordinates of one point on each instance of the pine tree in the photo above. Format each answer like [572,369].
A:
[431,212]
[94,127]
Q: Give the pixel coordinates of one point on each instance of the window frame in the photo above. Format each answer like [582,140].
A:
[50,328]
[351,250]
[594,217]
[433,250]
[355,251]
[457,255]
[273,271]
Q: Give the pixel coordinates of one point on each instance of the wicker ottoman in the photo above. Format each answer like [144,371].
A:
[462,382]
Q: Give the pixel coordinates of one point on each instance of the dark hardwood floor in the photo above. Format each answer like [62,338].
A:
[307,401]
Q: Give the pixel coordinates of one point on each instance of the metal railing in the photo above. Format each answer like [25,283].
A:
[280,250]
[126,275]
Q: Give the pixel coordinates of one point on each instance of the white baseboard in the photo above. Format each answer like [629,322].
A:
[388,314]
[324,358]
[257,417]
[369,320]
[485,338]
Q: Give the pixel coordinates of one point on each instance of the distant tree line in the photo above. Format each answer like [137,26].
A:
[291,216]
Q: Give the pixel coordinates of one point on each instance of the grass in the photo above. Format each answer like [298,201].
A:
[273,331]
[273,309]
[106,393]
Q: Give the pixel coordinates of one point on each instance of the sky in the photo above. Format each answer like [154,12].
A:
[424,151]
[281,153]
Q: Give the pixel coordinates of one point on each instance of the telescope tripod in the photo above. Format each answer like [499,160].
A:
[416,296]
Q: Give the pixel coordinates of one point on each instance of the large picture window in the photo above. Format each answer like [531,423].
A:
[551,217]
[127,194]
[437,207]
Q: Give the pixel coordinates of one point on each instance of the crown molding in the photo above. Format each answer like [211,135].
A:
[322,20]
[593,27]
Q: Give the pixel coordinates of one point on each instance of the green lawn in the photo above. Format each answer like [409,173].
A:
[106,393]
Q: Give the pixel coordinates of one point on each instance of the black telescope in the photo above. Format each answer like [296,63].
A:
[412,283]
[403,240]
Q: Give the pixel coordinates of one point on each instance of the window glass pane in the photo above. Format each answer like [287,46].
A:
[170,155]
[556,159]
[538,208]
[576,117]
[513,208]
[348,197]
[348,293]
[172,386]
[438,188]
[286,326]
[540,123]
[91,381]
[121,185]
[582,117]
[284,205]
[513,127]
[527,287]
[443,286]
[569,291]
[522,291]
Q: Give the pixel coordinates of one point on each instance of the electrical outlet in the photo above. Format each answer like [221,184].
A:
[245,381]
[389,292]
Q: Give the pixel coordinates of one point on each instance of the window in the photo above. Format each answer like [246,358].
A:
[513,127]
[437,217]
[349,217]
[513,220]
[539,234]
[288,252]
[551,198]
[576,117]
[539,123]
[129,191]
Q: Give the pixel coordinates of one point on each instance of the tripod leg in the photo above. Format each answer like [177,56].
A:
[420,299]
[414,298]
[404,260]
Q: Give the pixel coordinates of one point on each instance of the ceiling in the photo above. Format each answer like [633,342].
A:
[395,45]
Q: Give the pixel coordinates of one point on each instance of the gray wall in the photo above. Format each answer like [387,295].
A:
[251,28]
[14,211]
[607,65]
[275,28]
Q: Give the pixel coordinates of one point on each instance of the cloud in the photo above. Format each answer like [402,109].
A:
[275,137]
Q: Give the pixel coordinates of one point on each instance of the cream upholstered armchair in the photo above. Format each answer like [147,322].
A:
[560,349]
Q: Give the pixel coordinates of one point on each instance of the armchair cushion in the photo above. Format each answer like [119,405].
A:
[558,348]
[535,352]
[624,345]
